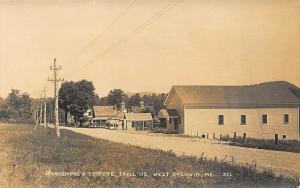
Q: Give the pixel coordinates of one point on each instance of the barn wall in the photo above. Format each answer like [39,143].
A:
[205,121]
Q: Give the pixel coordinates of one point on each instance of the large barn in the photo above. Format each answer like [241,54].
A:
[258,111]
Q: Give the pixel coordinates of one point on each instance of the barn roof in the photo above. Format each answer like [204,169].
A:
[252,95]
[105,111]
[138,117]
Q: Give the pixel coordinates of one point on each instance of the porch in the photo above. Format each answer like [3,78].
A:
[169,120]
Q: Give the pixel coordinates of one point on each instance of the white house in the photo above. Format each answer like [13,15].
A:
[104,113]
[259,111]
[138,121]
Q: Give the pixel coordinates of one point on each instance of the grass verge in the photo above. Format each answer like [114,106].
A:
[283,145]
[31,159]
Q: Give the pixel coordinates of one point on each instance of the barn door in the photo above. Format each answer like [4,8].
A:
[176,124]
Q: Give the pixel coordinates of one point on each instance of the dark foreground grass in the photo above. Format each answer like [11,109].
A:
[33,159]
[283,145]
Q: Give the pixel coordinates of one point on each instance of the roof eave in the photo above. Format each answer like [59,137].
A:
[239,105]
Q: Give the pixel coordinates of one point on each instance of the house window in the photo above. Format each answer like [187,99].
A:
[286,118]
[170,121]
[284,136]
[243,119]
[179,119]
[264,118]
[221,119]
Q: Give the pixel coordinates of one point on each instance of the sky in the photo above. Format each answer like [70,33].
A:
[148,45]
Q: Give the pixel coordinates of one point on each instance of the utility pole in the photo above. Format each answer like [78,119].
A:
[45,107]
[55,81]
[41,110]
[38,112]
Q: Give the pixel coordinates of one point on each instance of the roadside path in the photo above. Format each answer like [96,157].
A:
[280,162]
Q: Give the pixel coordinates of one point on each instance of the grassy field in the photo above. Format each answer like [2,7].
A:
[31,159]
[283,145]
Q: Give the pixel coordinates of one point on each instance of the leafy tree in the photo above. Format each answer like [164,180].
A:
[17,106]
[115,97]
[134,100]
[158,101]
[76,97]
[1,102]
[103,101]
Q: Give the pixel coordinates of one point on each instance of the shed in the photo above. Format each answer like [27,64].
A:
[138,121]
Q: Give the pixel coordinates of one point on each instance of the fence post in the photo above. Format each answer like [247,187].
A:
[214,136]
[244,137]
[220,136]
[234,137]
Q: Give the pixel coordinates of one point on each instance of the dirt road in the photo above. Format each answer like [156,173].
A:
[280,162]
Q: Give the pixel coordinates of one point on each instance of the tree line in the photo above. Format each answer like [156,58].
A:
[17,107]
[74,98]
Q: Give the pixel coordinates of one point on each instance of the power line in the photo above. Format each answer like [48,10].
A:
[104,31]
[123,40]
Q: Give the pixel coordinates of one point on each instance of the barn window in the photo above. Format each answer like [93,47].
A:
[221,119]
[243,119]
[264,118]
[286,118]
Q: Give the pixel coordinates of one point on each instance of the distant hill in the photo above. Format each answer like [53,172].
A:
[141,93]
[294,89]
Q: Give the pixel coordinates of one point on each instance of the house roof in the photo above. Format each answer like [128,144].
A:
[252,95]
[165,113]
[138,117]
[105,111]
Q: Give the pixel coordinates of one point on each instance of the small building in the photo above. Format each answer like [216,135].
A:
[264,111]
[138,121]
[169,119]
[104,113]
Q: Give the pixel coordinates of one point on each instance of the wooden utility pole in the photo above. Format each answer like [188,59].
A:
[45,107]
[39,113]
[41,110]
[55,81]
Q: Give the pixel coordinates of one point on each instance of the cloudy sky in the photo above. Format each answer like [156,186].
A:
[148,45]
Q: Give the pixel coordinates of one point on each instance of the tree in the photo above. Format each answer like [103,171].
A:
[76,97]
[17,106]
[158,101]
[115,97]
[134,100]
